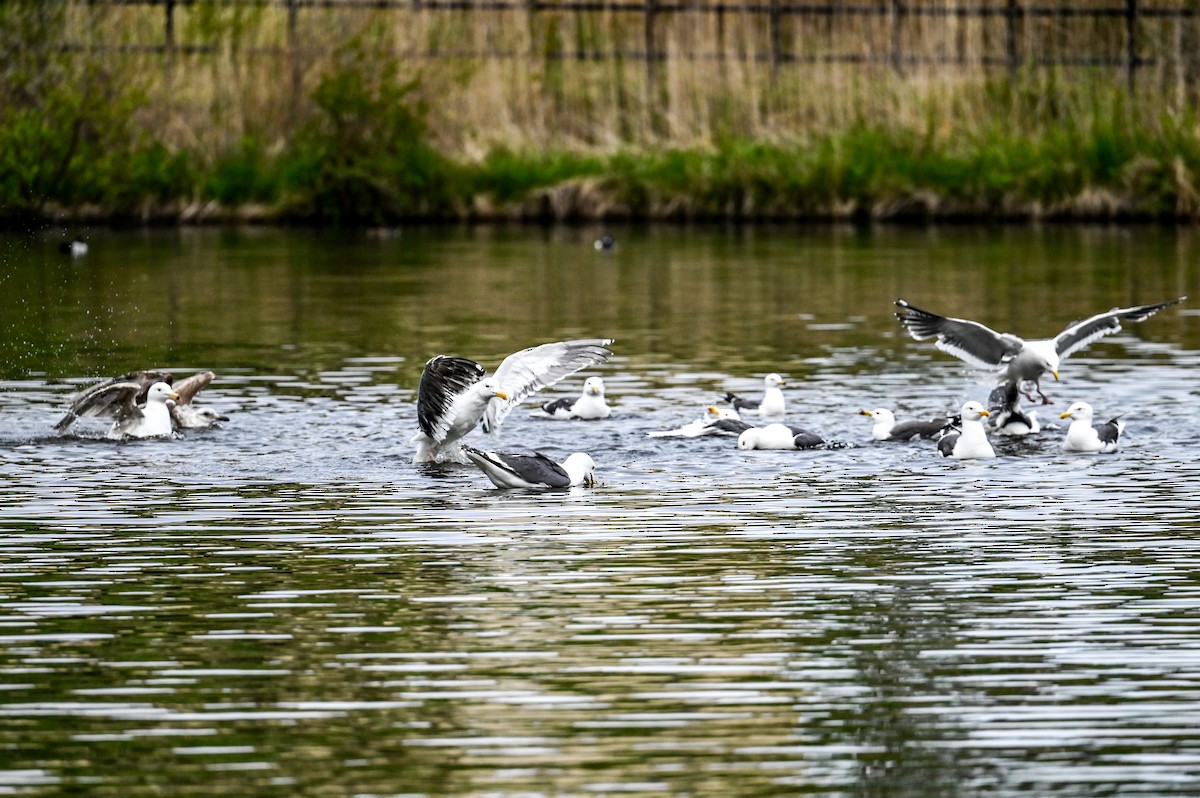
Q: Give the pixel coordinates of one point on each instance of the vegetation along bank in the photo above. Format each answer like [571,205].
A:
[278,111]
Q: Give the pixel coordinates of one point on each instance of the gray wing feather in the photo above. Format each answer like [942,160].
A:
[970,341]
[907,430]
[1110,431]
[108,400]
[1082,333]
[536,469]
[530,370]
[946,444]
[188,388]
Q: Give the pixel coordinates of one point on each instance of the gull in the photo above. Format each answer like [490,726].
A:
[770,406]
[971,443]
[118,401]
[1007,415]
[533,471]
[1083,437]
[454,394]
[778,436]
[590,405]
[187,415]
[887,428]
[715,421]
[1024,361]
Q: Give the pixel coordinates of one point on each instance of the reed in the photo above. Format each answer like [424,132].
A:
[378,114]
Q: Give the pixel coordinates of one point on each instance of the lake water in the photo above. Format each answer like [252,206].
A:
[287,606]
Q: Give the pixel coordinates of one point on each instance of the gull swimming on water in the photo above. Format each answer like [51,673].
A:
[191,416]
[589,406]
[1083,437]
[971,442]
[1024,361]
[533,471]
[887,428]
[771,406]
[118,401]
[454,394]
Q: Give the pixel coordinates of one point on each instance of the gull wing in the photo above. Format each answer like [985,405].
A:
[530,370]
[188,388]
[536,469]
[109,400]
[1082,333]
[970,341]
[443,380]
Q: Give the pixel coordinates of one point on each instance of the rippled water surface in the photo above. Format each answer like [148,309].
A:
[287,606]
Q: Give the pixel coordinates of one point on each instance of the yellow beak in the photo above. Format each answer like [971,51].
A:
[984,413]
[1067,414]
[590,480]
[1055,373]
[173,395]
[501,394]
[865,413]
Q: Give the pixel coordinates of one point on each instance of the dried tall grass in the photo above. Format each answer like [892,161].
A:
[576,81]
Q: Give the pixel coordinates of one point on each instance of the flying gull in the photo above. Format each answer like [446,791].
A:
[1007,416]
[887,428]
[778,436]
[722,421]
[770,406]
[589,406]
[971,442]
[1083,437]
[533,471]
[1023,361]
[454,394]
[118,401]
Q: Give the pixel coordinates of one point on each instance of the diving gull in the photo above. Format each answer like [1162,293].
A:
[971,442]
[722,421]
[533,471]
[454,395]
[1023,361]
[887,428]
[770,406]
[118,401]
[1083,437]
[589,406]
[1007,416]
[778,436]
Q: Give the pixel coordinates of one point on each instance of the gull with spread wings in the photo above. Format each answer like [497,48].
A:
[455,393]
[1024,361]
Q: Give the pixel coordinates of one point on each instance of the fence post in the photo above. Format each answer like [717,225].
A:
[774,32]
[1131,55]
[293,44]
[651,50]
[1010,21]
[897,13]
[169,39]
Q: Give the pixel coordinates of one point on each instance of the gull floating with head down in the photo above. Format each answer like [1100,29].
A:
[536,471]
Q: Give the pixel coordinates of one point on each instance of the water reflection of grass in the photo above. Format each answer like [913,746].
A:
[359,135]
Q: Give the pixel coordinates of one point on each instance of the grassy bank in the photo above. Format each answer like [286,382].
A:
[353,133]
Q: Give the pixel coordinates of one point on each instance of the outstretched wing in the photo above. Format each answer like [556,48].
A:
[442,381]
[1082,333]
[108,400]
[970,341]
[530,370]
[191,386]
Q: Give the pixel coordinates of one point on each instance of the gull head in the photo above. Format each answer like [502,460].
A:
[1080,411]
[581,468]
[593,386]
[773,380]
[161,392]
[973,411]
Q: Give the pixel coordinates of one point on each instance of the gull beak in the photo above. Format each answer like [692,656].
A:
[173,395]
[713,409]
[500,394]
[1055,373]
[867,413]
[984,413]
[590,479]
[1066,414]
